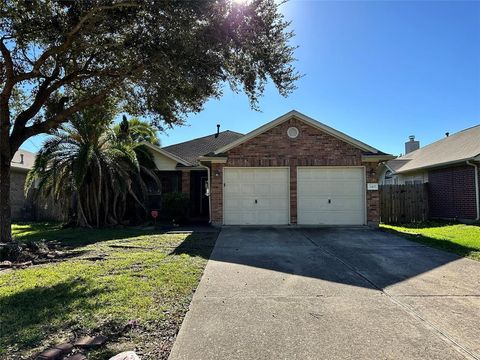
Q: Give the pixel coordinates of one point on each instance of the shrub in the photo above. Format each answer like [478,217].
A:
[175,206]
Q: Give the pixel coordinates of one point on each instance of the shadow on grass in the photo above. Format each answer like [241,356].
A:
[442,244]
[76,237]
[30,314]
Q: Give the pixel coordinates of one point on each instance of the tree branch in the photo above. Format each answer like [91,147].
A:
[70,37]
[7,89]
[55,121]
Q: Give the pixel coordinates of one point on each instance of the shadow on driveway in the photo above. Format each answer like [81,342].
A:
[353,256]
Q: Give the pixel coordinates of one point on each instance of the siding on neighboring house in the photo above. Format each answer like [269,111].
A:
[312,147]
[416,177]
[452,193]
[28,208]
[22,208]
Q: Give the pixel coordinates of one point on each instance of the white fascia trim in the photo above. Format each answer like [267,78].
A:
[307,120]
[165,153]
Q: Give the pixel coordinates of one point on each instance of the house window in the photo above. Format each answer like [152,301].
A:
[388,179]
[168,182]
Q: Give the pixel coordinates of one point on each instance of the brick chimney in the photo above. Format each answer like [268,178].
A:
[411,144]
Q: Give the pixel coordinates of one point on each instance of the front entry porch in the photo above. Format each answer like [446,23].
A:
[193,183]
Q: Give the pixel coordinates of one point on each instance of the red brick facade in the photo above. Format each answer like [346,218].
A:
[312,147]
[452,193]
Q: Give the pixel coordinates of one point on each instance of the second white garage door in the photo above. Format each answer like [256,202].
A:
[331,196]
[256,196]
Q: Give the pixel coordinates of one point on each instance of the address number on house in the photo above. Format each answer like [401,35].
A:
[372,186]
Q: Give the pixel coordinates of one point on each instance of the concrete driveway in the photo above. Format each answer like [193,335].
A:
[331,293]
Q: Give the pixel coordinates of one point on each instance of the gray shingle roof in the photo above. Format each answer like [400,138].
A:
[461,146]
[192,149]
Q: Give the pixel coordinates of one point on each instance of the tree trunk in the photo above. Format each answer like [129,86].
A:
[5,158]
[5,211]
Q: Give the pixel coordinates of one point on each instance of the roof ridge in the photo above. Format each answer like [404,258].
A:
[436,141]
[27,151]
[201,137]
[469,128]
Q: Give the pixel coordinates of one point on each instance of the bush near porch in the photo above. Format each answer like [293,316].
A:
[460,239]
[113,276]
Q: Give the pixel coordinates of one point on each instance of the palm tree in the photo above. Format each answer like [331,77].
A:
[138,130]
[88,163]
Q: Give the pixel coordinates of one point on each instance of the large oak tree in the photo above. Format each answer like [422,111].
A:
[162,59]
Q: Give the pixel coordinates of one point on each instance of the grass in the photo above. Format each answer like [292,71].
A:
[118,275]
[72,237]
[460,239]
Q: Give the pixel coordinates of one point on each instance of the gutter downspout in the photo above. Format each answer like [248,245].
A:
[209,193]
[477,189]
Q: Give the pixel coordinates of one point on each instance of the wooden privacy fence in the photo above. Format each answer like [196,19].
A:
[403,203]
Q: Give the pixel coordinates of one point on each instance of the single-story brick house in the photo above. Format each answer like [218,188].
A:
[292,170]
[450,166]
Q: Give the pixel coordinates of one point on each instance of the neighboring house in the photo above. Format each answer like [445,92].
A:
[293,170]
[21,205]
[25,207]
[450,166]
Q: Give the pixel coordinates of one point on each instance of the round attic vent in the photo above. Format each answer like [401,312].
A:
[292,132]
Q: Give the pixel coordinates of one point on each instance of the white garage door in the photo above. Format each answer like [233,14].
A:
[331,196]
[256,196]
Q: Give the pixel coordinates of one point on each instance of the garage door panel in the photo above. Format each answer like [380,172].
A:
[232,217]
[256,196]
[332,218]
[313,204]
[272,203]
[345,189]
[274,189]
[326,189]
[263,189]
[240,203]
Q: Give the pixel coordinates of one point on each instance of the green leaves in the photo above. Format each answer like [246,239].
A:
[137,131]
[87,166]
[161,58]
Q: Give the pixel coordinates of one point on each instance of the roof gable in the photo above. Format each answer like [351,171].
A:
[23,160]
[308,120]
[166,153]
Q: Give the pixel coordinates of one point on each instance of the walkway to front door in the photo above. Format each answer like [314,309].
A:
[350,293]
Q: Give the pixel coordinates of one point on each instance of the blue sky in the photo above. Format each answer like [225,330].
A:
[378,71]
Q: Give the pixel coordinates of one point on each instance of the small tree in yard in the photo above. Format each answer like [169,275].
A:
[90,162]
[161,59]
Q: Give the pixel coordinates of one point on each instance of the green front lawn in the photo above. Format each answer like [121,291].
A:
[460,239]
[113,276]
